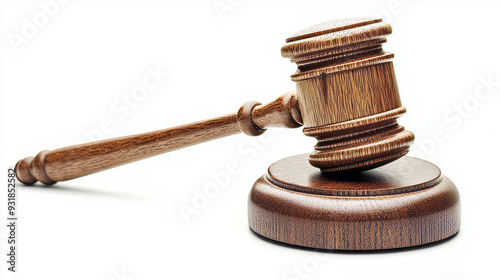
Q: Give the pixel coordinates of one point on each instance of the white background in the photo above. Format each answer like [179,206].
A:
[63,80]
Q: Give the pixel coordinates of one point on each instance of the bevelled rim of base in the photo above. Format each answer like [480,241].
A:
[404,175]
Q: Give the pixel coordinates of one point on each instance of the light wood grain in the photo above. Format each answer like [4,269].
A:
[72,162]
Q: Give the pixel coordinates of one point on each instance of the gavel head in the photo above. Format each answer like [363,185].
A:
[348,95]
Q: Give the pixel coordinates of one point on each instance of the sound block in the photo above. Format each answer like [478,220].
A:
[402,204]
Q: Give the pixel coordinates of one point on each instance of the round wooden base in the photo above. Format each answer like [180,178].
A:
[402,204]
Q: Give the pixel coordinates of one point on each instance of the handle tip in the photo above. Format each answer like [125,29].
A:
[31,169]
[23,172]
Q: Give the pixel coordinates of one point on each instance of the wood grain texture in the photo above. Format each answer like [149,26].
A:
[72,162]
[360,144]
[348,94]
[347,98]
[402,204]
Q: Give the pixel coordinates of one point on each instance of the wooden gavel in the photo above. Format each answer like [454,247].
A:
[347,97]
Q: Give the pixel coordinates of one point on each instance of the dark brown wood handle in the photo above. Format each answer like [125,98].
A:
[71,162]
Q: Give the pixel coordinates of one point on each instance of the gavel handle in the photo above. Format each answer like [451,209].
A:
[72,162]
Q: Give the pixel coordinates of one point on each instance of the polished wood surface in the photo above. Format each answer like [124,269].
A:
[405,203]
[348,94]
[71,162]
[347,98]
